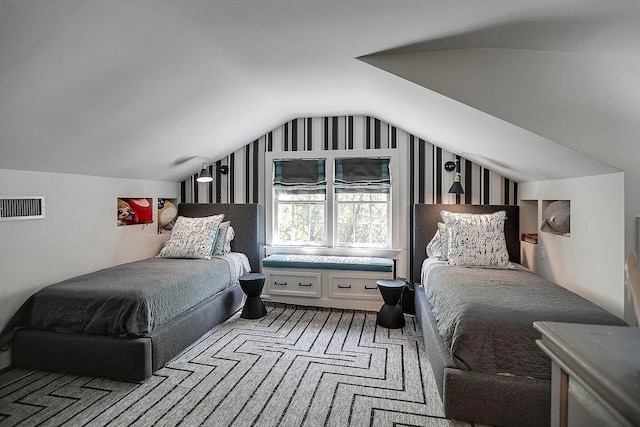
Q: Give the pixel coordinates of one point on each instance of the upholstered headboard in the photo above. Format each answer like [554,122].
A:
[245,220]
[425,224]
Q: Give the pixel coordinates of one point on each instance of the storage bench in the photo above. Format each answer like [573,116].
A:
[326,281]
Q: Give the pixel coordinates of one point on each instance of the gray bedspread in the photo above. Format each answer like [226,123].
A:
[485,317]
[126,300]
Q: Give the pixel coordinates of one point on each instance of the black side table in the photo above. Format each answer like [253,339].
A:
[390,314]
[251,285]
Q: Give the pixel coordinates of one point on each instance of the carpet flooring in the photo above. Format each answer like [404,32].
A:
[297,366]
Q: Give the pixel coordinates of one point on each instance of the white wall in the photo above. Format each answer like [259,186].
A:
[78,235]
[591,261]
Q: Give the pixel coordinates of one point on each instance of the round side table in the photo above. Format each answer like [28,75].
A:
[251,285]
[390,314]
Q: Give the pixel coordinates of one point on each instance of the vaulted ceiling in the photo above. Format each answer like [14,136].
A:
[147,89]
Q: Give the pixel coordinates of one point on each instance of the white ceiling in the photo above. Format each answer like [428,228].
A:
[535,90]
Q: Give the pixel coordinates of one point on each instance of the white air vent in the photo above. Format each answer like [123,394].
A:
[21,208]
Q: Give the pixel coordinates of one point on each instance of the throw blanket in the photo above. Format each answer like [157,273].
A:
[485,317]
[126,300]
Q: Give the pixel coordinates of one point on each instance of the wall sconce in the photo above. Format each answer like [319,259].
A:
[205,174]
[456,187]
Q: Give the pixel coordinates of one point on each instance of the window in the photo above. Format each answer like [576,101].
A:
[362,189]
[336,202]
[300,201]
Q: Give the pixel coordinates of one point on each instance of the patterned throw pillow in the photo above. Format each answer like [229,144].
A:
[221,238]
[476,239]
[192,238]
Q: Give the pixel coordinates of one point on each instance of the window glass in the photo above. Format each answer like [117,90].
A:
[363,219]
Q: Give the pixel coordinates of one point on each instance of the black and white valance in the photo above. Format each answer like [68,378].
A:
[299,176]
[362,175]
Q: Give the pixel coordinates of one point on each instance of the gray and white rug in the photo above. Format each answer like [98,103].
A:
[297,366]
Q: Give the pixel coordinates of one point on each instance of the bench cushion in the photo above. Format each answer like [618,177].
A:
[328,262]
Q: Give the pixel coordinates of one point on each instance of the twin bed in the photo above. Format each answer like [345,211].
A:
[129,320]
[477,322]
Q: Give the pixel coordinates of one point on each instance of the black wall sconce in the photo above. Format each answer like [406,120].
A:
[456,187]
[205,174]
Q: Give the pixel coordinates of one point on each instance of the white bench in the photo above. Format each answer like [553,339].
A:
[326,281]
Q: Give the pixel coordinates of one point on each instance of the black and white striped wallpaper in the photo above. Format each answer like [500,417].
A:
[428,181]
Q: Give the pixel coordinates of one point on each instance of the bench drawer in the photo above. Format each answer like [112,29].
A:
[295,283]
[347,286]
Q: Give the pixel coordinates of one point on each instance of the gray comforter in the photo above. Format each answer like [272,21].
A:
[485,317]
[127,300]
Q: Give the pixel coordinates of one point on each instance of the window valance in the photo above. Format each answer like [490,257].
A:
[362,175]
[299,176]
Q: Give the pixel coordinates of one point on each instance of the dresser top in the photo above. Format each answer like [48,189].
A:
[606,358]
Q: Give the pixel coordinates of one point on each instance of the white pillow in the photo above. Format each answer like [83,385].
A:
[221,238]
[434,246]
[231,234]
[437,243]
[192,238]
[476,239]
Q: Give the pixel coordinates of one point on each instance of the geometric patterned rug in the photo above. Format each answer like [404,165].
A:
[297,366]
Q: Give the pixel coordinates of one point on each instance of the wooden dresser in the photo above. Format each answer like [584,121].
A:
[595,374]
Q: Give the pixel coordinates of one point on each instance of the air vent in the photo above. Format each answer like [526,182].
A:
[17,208]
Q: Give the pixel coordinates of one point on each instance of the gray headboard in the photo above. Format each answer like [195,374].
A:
[425,224]
[245,219]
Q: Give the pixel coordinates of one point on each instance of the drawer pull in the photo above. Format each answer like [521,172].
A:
[370,287]
[302,284]
[280,284]
[344,286]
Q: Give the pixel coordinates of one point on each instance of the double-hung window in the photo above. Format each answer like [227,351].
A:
[336,202]
[300,201]
[362,188]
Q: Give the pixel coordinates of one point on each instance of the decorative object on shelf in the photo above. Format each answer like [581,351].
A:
[456,187]
[633,282]
[530,238]
[167,213]
[557,217]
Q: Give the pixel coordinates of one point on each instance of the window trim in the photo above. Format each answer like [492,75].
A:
[330,223]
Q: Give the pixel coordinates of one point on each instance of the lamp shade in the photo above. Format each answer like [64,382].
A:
[456,187]
[205,175]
